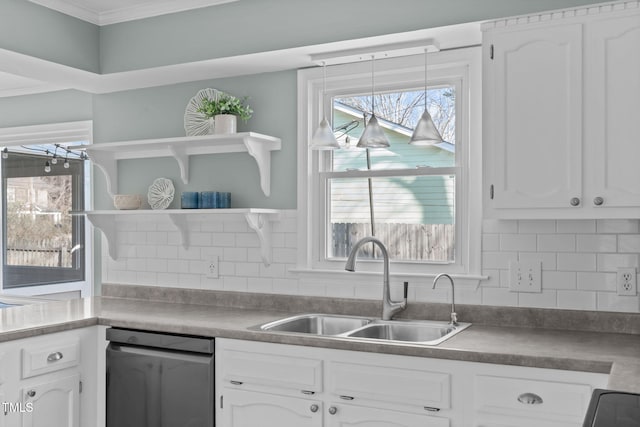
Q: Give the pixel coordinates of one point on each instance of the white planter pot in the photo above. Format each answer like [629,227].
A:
[225,123]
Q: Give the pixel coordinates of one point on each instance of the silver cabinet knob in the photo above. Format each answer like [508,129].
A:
[31,393]
[314,408]
[530,399]
[598,201]
[575,201]
[333,410]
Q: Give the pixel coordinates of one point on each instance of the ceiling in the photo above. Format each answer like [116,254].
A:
[105,12]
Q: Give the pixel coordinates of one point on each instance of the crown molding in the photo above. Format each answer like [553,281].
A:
[132,12]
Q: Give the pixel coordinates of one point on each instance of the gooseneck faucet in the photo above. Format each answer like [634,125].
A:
[454,316]
[389,307]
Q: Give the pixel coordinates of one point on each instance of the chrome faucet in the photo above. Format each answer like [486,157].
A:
[454,316]
[389,307]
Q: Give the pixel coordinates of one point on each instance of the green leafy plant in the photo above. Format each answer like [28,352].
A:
[226,104]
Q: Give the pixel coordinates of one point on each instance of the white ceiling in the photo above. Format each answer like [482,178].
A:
[105,12]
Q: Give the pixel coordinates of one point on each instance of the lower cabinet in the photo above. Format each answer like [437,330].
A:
[52,403]
[42,380]
[260,384]
[246,409]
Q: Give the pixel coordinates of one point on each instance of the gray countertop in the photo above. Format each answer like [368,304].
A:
[611,353]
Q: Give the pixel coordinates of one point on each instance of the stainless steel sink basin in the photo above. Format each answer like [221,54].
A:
[317,324]
[364,328]
[423,332]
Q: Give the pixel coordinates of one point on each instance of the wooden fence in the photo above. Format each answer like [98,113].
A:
[40,254]
[417,242]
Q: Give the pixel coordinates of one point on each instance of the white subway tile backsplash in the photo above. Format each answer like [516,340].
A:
[536,226]
[576,262]
[575,300]
[576,226]
[557,242]
[518,242]
[617,226]
[579,262]
[629,243]
[558,280]
[611,262]
[596,242]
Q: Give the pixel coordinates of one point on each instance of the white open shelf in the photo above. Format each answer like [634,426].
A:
[259,146]
[259,220]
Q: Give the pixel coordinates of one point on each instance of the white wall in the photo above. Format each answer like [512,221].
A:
[579,259]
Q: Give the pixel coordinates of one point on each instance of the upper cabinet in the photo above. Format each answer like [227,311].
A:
[560,92]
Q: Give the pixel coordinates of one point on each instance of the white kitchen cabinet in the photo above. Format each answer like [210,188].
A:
[331,388]
[252,409]
[323,387]
[52,403]
[41,380]
[559,140]
[343,415]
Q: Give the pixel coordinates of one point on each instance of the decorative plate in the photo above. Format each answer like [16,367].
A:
[160,193]
[196,123]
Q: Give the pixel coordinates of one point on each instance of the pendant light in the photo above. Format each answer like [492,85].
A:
[323,137]
[373,136]
[425,132]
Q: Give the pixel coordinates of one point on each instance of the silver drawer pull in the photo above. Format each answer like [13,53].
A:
[530,399]
[346,397]
[314,408]
[31,393]
[236,382]
[431,409]
[54,357]
[307,392]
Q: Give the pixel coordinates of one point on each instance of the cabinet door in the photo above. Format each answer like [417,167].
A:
[351,416]
[54,403]
[612,128]
[251,409]
[534,134]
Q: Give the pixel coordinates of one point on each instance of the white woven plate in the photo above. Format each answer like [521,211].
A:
[160,193]
[196,123]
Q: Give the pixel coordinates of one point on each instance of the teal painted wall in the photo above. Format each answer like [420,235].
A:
[52,107]
[249,26]
[33,30]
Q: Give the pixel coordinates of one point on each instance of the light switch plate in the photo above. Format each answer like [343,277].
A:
[525,276]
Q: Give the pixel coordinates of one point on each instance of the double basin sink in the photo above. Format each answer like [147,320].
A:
[365,328]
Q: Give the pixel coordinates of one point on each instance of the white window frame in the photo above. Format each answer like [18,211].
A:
[462,65]
[56,133]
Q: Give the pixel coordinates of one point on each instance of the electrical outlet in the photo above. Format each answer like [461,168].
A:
[627,281]
[525,276]
[211,268]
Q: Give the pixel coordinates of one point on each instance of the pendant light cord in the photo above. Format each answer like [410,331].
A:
[425,78]
[373,90]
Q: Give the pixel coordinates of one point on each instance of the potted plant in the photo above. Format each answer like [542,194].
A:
[224,110]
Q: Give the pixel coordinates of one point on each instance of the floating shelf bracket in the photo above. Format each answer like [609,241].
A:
[181,156]
[180,222]
[261,224]
[107,224]
[259,151]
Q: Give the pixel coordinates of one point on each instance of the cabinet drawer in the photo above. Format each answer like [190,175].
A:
[515,396]
[49,358]
[414,387]
[272,370]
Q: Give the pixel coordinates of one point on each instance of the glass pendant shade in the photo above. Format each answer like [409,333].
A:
[323,138]
[425,132]
[373,136]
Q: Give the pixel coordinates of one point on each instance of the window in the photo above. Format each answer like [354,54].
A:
[45,249]
[418,200]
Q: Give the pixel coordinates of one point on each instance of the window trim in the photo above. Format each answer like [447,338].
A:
[392,74]
[57,133]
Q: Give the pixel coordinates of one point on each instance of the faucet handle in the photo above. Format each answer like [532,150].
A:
[406,290]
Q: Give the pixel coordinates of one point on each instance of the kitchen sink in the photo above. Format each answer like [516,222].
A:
[317,324]
[364,328]
[423,332]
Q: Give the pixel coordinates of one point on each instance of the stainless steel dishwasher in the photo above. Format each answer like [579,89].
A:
[159,380]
